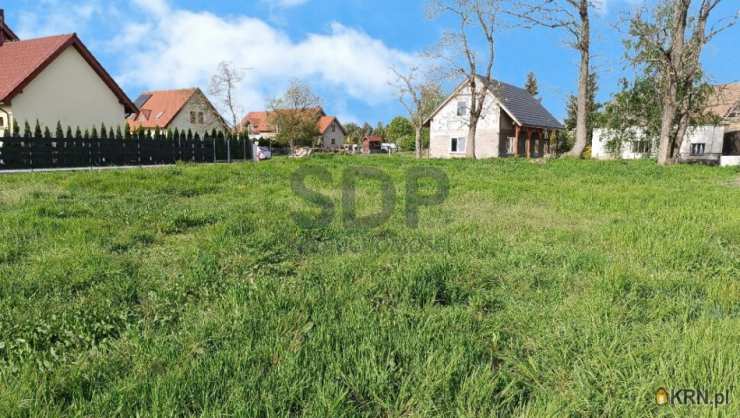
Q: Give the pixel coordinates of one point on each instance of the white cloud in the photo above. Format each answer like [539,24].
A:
[58,19]
[174,48]
[284,4]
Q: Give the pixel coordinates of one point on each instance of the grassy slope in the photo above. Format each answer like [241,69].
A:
[570,288]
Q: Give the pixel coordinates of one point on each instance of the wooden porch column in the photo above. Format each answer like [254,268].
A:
[529,143]
[541,145]
[517,128]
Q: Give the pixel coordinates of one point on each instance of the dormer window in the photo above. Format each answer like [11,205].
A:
[734,112]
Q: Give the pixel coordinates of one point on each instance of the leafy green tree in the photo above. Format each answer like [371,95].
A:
[531,85]
[399,128]
[667,43]
[380,130]
[295,115]
[354,134]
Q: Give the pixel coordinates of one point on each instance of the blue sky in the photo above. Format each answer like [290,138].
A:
[342,48]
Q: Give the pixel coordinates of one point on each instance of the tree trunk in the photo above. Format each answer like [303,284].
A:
[470,140]
[683,128]
[583,78]
[671,73]
[417,132]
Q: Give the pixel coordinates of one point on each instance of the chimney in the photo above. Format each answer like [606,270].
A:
[2,25]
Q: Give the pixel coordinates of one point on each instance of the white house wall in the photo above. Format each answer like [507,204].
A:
[68,91]
[600,151]
[711,136]
[210,118]
[447,125]
[333,132]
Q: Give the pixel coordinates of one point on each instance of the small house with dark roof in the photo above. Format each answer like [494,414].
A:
[56,79]
[513,123]
[331,132]
[182,109]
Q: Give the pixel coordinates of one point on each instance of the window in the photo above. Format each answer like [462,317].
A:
[192,117]
[333,128]
[462,108]
[697,149]
[200,117]
[333,141]
[457,145]
[641,147]
[735,112]
[2,121]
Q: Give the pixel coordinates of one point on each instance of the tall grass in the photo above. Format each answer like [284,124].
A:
[570,288]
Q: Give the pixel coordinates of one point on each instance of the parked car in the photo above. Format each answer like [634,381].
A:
[264,153]
[388,147]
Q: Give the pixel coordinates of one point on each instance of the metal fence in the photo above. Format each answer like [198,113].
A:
[32,153]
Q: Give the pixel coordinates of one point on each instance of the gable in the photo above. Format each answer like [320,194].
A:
[22,61]
[517,103]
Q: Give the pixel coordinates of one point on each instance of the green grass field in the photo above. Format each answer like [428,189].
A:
[567,288]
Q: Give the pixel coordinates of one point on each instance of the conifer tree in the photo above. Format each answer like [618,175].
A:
[119,133]
[16,128]
[59,132]
[103,131]
[68,135]
[27,132]
[37,133]
[531,85]
[93,133]
[47,133]
[78,133]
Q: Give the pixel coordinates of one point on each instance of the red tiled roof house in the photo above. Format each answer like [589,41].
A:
[56,79]
[185,109]
[331,131]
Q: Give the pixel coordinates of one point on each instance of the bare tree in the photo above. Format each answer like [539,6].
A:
[459,57]
[661,45]
[295,115]
[224,85]
[419,96]
[573,17]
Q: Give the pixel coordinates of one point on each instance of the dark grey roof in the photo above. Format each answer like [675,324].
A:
[525,108]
